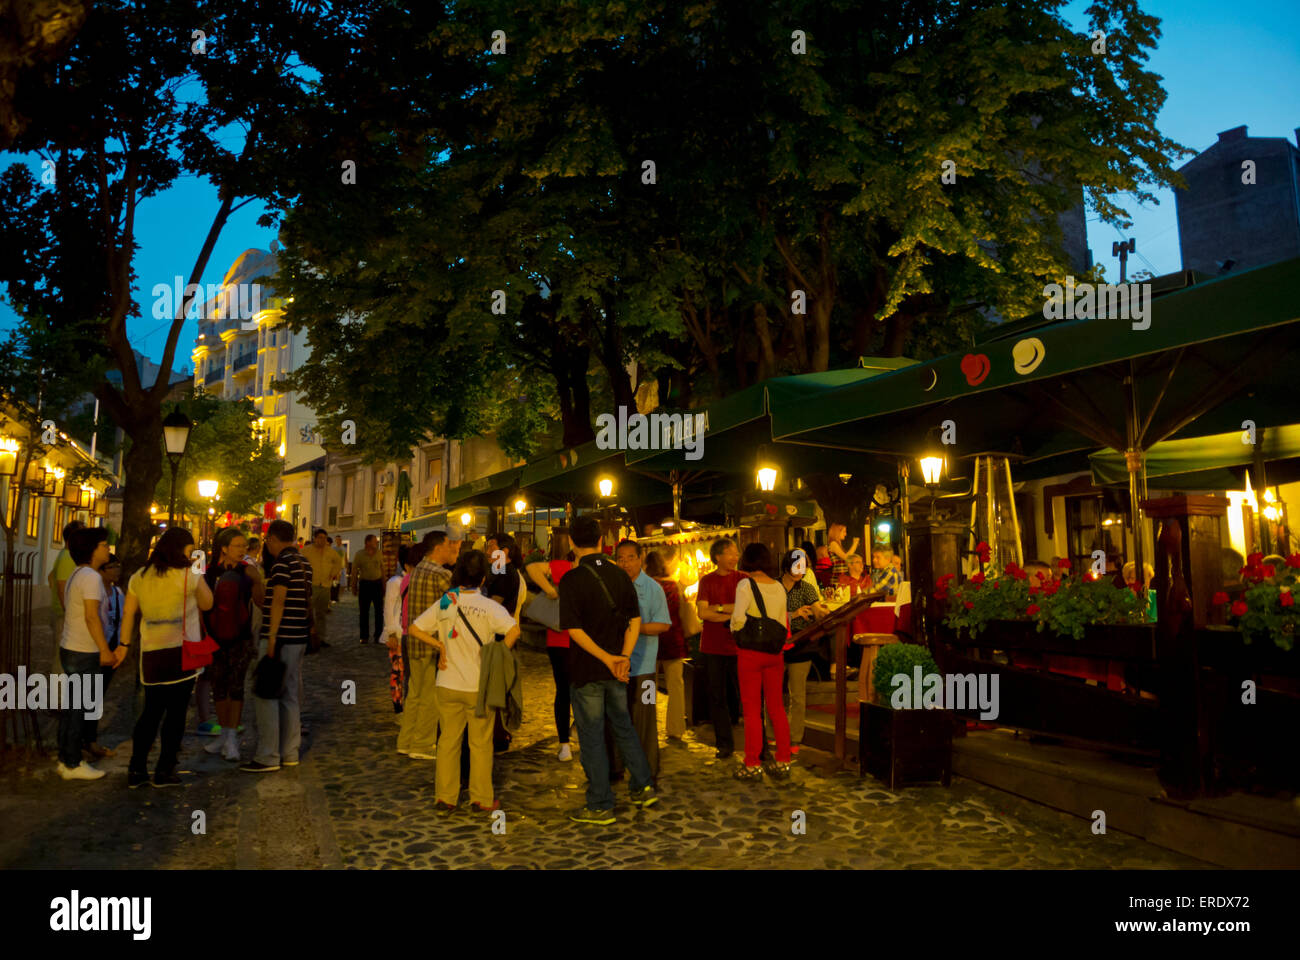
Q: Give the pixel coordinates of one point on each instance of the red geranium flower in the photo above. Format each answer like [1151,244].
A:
[943,581]
[1031,609]
[1254,559]
[977,578]
[969,605]
[1064,563]
[1293,560]
[1269,571]
[1286,599]
[1034,590]
[1239,608]
[983,550]
[997,584]
[1220,597]
[1040,575]
[941,594]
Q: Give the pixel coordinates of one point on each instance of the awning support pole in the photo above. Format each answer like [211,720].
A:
[1135,460]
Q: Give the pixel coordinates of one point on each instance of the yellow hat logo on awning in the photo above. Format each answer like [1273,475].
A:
[1027,355]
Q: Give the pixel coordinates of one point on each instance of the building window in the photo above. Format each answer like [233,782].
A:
[333,517]
[377,496]
[62,517]
[433,468]
[349,492]
[1097,522]
[33,516]
[12,509]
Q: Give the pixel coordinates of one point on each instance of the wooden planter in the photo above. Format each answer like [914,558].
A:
[905,747]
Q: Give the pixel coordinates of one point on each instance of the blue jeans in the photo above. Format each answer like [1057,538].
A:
[72,722]
[592,703]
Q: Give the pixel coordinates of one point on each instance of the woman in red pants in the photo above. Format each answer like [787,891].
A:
[762,631]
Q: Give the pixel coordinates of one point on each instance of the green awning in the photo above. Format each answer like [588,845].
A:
[493,490]
[1195,454]
[1215,354]
[425,521]
[740,424]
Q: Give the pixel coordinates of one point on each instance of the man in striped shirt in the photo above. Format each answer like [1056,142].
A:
[285,633]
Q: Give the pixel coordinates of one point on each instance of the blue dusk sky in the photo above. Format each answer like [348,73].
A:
[1223,65]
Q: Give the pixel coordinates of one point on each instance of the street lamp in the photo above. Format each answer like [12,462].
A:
[466,519]
[208,491]
[521,505]
[8,456]
[931,471]
[767,479]
[176,436]
[606,486]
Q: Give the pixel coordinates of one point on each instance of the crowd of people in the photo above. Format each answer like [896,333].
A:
[450,618]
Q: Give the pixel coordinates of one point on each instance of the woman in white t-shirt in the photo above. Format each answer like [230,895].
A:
[83,649]
[761,671]
[168,596]
[457,626]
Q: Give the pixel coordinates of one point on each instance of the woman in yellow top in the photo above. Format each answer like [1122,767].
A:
[168,596]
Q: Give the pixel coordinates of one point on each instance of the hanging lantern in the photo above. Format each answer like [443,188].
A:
[8,456]
[53,485]
[101,507]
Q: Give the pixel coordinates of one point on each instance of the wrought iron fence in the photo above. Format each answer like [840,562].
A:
[18,727]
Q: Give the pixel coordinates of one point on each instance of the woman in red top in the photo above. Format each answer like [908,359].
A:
[672,645]
[547,575]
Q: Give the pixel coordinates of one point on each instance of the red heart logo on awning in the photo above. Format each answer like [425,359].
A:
[976,368]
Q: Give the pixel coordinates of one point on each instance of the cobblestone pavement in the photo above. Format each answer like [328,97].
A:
[355,802]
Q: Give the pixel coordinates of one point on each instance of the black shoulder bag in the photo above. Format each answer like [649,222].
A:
[761,634]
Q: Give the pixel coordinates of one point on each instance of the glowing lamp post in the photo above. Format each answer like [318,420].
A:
[176,436]
[767,479]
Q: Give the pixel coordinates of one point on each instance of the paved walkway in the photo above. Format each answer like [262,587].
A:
[355,803]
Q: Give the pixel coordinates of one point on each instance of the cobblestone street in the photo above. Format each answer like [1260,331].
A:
[355,803]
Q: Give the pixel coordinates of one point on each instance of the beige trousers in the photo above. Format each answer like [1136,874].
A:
[676,697]
[456,711]
[797,677]
[420,711]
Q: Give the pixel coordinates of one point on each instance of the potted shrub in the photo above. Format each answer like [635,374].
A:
[904,744]
[1267,610]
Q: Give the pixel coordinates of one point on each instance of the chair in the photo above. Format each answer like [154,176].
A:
[885,622]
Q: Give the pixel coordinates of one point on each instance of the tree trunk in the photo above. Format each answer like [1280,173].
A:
[766,356]
[142,468]
[897,327]
[821,317]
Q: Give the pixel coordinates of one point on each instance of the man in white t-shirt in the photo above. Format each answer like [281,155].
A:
[456,627]
[83,649]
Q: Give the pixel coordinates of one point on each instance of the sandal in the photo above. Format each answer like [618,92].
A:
[749,773]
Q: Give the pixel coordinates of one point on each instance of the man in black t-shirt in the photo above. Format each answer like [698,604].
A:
[598,607]
[285,633]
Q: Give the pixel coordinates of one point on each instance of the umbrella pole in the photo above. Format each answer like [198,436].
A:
[904,472]
[1135,460]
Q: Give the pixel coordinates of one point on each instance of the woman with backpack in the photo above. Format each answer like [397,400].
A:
[761,630]
[168,598]
[236,586]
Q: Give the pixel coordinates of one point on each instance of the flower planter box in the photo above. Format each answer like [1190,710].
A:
[905,747]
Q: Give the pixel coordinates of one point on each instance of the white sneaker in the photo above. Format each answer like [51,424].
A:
[82,771]
[217,745]
[231,749]
[566,753]
[422,756]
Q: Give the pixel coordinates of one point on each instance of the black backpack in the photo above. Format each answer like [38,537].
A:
[761,634]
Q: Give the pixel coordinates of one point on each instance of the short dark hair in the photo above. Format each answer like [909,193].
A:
[470,569]
[655,565]
[507,543]
[433,540]
[282,530]
[369,537]
[585,532]
[715,551]
[82,543]
[628,542]
[756,556]
[254,542]
[70,527]
[318,531]
[415,552]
